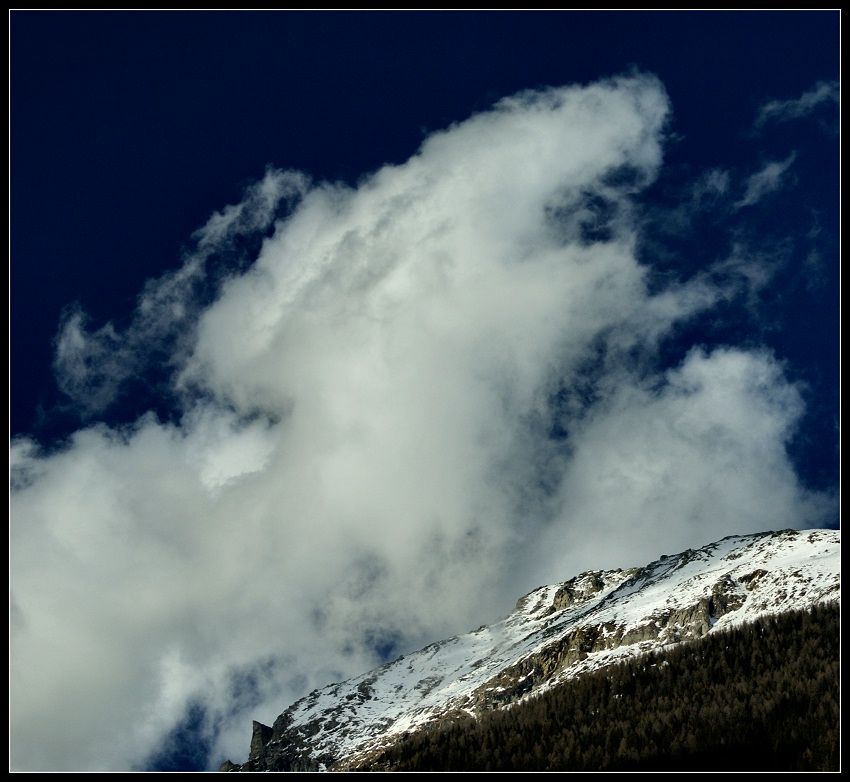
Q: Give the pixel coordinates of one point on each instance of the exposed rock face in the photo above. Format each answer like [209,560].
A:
[555,632]
[260,736]
[279,748]
[579,589]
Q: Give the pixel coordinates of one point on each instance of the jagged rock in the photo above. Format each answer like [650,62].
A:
[260,736]
[578,589]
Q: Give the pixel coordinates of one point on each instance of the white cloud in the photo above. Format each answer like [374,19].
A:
[223,449]
[257,208]
[90,368]
[770,178]
[680,465]
[713,184]
[785,110]
[416,382]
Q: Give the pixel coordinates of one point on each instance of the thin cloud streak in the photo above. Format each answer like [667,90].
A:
[787,110]
[426,395]
[765,181]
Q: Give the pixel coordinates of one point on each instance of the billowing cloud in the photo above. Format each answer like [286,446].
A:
[426,395]
[673,458]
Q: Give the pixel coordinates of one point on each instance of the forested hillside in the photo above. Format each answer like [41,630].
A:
[761,697]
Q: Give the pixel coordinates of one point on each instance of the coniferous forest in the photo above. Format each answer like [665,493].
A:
[760,697]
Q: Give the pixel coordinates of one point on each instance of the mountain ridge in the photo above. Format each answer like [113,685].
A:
[556,632]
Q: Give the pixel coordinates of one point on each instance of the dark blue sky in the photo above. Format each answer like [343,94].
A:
[128,130]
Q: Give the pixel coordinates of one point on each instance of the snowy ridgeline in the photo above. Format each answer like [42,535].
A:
[556,632]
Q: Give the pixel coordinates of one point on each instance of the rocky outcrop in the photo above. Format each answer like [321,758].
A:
[579,589]
[283,747]
[540,668]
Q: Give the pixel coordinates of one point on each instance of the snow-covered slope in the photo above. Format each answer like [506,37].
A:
[556,632]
